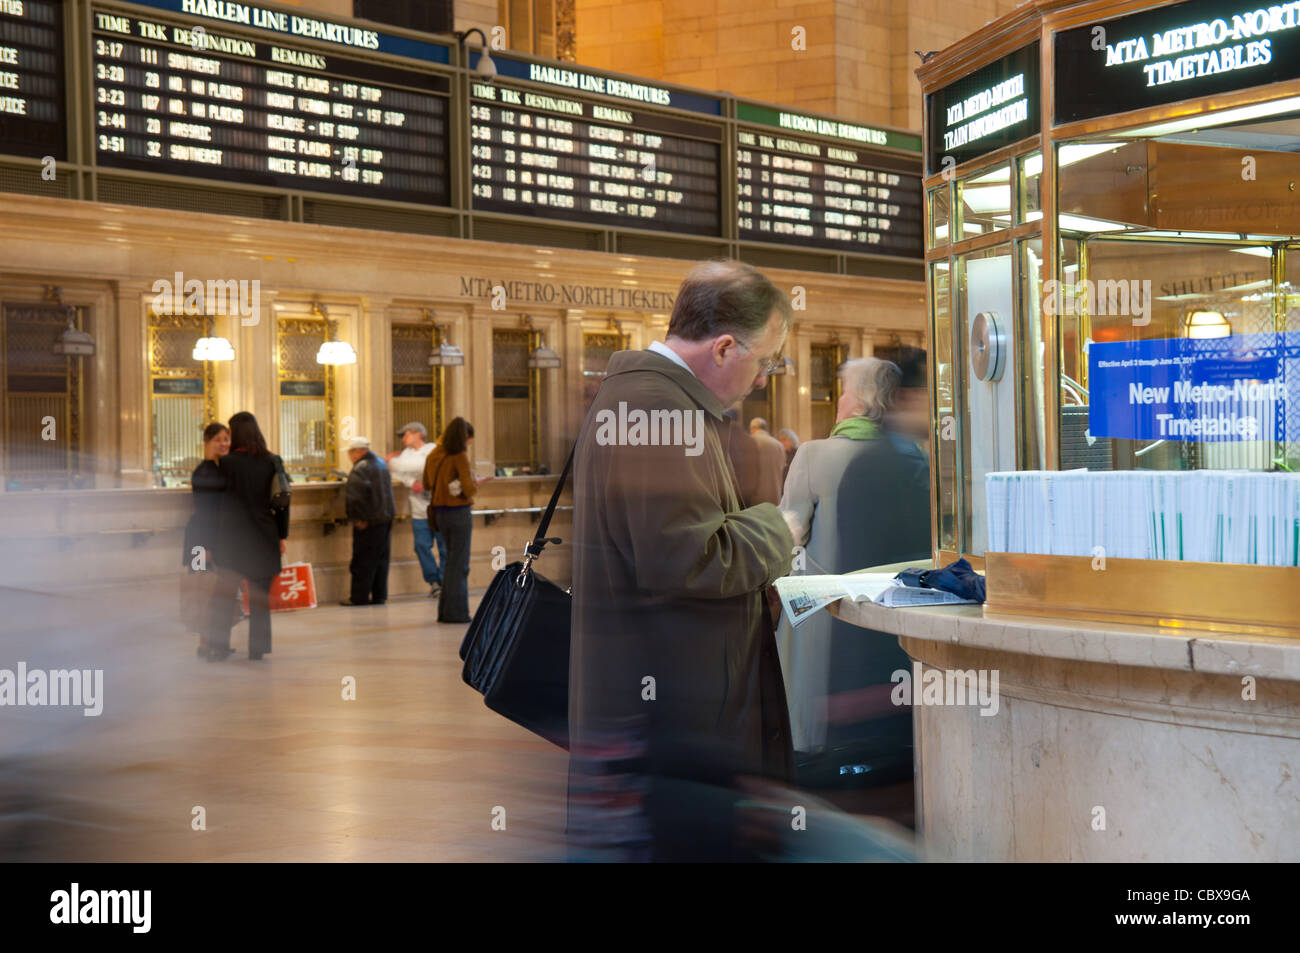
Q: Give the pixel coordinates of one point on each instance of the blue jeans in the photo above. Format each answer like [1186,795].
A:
[424,540]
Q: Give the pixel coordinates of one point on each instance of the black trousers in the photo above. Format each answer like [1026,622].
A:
[371,548]
[259,612]
[454,522]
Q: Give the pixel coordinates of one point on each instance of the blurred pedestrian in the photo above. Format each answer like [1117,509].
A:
[853,502]
[408,467]
[675,686]
[744,457]
[908,421]
[770,464]
[790,443]
[199,583]
[452,487]
[250,536]
[371,508]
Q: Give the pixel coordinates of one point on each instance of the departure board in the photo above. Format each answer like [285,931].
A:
[823,194]
[196,102]
[31,78]
[546,155]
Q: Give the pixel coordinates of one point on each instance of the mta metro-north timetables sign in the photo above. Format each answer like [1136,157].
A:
[197,102]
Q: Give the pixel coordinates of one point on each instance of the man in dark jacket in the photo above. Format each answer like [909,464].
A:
[371,509]
[675,684]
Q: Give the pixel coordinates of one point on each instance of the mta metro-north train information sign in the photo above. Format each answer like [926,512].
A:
[193,102]
[554,156]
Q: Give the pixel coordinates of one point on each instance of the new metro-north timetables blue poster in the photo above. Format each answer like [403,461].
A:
[1240,387]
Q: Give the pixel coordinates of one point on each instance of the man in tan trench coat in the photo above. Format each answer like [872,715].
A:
[675,684]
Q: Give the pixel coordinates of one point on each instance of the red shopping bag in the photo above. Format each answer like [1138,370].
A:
[293,588]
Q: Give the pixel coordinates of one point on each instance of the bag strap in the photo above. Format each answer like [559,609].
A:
[534,549]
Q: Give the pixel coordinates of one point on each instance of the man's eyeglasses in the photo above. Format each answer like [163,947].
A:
[766,366]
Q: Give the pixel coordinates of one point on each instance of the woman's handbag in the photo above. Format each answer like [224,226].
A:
[516,651]
[281,485]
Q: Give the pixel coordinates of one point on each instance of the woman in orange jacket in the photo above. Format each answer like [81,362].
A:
[451,486]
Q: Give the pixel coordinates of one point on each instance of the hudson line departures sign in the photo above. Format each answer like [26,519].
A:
[1184,51]
[825,194]
[993,107]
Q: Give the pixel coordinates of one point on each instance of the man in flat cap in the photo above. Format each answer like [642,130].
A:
[408,467]
[371,509]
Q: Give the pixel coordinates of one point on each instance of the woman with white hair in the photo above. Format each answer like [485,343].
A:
[852,501]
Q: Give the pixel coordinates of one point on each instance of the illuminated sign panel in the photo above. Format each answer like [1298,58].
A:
[826,194]
[1184,51]
[31,78]
[553,156]
[992,107]
[173,99]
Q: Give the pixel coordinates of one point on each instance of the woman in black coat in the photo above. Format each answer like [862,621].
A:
[250,535]
[197,557]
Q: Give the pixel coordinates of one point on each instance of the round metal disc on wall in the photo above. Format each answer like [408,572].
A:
[988,346]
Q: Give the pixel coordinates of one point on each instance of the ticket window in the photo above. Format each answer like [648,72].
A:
[824,387]
[516,400]
[306,399]
[41,392]
[417,387]
[597,348]
[181,395]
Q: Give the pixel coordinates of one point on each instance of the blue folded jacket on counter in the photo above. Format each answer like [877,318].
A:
[956,577]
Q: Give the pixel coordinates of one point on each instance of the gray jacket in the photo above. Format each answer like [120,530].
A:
[852,504]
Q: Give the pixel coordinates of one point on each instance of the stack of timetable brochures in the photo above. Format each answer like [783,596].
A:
[1212,516]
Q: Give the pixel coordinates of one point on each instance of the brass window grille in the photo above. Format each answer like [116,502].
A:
[515,398]
[308,438]
[41,393]
[418,389]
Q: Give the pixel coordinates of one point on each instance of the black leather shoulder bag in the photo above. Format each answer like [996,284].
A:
[516,651]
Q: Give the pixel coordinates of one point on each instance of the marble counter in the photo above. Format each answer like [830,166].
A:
[1106,743]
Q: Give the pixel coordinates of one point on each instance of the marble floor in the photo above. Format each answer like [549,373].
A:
[282,766]
[269,761]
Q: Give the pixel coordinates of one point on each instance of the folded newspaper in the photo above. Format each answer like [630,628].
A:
[802,596]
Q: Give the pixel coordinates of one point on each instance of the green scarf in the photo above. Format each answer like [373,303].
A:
[856,428]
